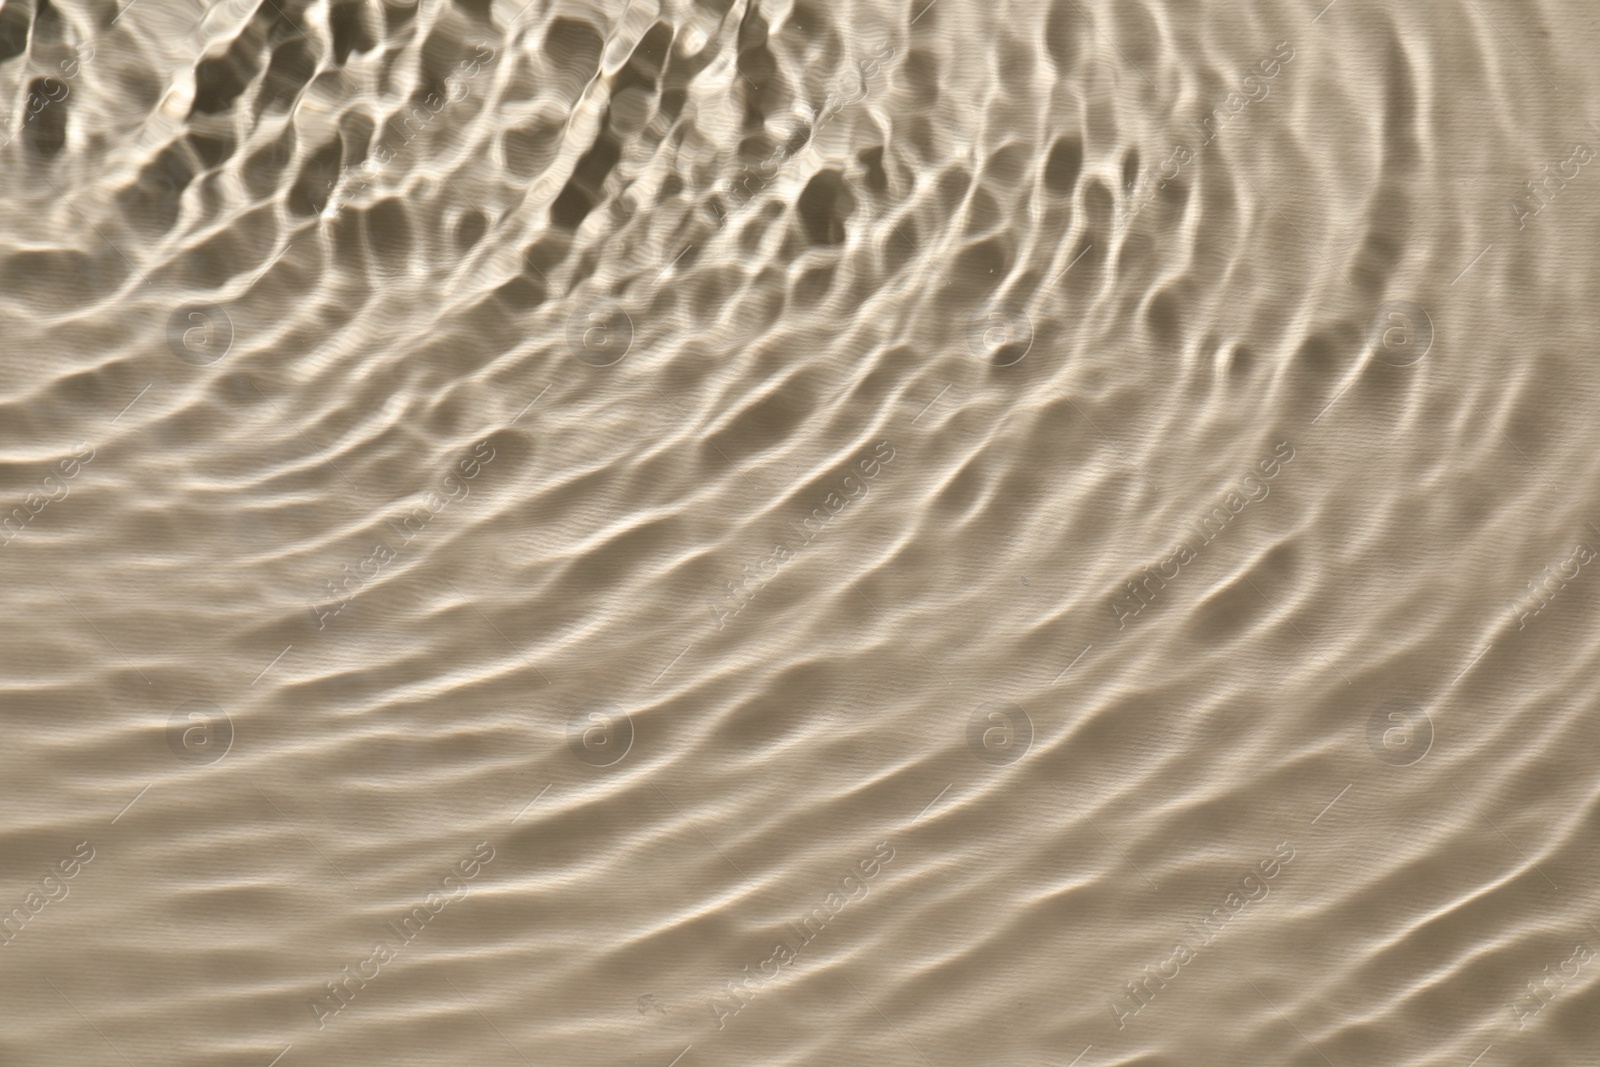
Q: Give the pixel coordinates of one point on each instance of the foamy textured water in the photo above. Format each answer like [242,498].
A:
[754,532]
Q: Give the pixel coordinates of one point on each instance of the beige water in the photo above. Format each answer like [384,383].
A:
[714,533]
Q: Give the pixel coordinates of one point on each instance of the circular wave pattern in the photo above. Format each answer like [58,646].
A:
[703,532]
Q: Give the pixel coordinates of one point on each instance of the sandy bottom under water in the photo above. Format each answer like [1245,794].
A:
[725,532]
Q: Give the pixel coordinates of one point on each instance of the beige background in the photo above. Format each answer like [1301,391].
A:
[616,657]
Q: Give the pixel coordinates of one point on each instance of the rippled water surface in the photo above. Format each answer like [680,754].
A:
[716,532]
